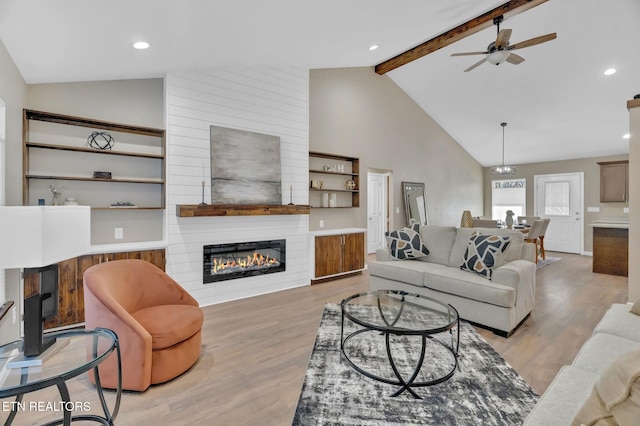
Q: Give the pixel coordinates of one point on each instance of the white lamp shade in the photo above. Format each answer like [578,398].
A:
[36,236]
[498,57]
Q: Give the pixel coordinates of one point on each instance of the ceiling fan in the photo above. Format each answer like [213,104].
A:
[500,50]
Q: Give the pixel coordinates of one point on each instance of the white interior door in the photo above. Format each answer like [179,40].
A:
[559,197]
[375,211]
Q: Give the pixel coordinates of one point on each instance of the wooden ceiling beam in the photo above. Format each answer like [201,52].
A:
[508,9]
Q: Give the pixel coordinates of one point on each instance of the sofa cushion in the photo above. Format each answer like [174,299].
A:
[170,324]
[406,243]
[470,286]
[483,253]
[601,350]
[440,240]
[620,322]
[408,271]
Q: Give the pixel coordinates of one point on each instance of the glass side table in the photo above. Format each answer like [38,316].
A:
[56,369]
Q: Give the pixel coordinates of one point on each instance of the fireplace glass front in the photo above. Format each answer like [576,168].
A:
[238,260]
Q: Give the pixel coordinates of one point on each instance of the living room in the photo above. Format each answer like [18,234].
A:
[345,111]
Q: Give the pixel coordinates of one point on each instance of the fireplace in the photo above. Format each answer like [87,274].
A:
[238,260]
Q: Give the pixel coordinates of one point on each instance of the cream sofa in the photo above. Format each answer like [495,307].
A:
[500,303]
[616,334]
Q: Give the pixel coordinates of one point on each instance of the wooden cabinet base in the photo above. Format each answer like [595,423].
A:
[336,277]
[611,251]
[70,283]
[337,256]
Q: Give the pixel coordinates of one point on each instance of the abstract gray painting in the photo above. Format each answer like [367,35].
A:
[245,167]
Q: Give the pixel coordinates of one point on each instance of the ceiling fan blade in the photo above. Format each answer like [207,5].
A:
[533,41]
[477,64]
[514,59]
[503,38]
[469,53]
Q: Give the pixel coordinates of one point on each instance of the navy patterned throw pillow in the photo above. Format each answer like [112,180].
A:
[406,243]
[483,253]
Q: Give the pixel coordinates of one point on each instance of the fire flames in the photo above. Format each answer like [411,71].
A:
[250,262]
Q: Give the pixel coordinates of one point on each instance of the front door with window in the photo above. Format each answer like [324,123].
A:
[559,198]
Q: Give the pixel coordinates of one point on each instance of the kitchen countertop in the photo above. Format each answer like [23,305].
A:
[323,232]
[619,224]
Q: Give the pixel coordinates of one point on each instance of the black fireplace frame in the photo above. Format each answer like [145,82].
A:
[209,251]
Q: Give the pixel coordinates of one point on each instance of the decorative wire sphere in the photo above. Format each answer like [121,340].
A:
[100,140]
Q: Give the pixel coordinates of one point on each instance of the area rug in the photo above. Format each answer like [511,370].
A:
[484,391]
[548,261]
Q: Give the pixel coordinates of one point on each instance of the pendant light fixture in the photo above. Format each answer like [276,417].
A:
[503,170]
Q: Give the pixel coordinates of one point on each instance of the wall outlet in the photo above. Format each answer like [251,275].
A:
[118,233]
[625,210]
[321,223]
[397,210]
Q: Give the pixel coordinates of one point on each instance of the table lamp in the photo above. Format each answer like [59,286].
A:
[36,238]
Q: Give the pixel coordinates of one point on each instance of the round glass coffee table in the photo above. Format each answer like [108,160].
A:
[417,332]
[75,352]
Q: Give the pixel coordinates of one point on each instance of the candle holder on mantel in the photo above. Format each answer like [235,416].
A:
[202,203]
[291,195]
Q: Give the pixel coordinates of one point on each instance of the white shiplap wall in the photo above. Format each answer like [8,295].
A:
[273,101]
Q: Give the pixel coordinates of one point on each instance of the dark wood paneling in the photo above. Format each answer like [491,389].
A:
[328,255]
[70,278]
[196,210]
[611,251]
[353,252]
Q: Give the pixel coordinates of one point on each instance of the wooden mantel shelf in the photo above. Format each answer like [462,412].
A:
[195,210]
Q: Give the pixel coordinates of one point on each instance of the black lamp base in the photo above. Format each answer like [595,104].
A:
[34,341]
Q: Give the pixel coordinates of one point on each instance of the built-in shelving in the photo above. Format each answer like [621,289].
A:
[329,174]
[56,152]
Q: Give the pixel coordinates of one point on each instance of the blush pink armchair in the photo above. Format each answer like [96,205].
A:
[157,322]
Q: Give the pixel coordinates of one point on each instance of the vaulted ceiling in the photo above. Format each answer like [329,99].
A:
[558,103]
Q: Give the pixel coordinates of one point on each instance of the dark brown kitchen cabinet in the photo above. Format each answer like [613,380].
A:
[614,181]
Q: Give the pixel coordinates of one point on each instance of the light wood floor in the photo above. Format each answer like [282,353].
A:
[255,351]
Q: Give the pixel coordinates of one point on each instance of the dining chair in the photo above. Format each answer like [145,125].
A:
[534,234]
[545,225]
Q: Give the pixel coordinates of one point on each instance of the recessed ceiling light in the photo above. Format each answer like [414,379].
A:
[610,71]
[627,136]
[373,47]
[141,45]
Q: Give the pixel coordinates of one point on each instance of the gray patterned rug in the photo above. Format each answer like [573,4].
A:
[548,261]
[485,391]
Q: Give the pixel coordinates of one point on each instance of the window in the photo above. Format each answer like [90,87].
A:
[508,195]
[558,199]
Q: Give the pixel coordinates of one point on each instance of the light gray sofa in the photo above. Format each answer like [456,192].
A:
[500,304]
[617,333]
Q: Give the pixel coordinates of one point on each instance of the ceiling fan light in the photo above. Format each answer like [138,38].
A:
[498,57]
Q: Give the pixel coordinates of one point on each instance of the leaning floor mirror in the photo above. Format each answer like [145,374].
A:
[415,203]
